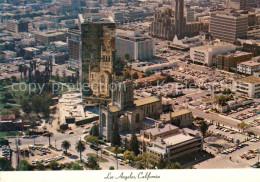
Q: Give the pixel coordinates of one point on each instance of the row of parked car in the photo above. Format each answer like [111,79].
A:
[41,150]
[233,149]
[57,158]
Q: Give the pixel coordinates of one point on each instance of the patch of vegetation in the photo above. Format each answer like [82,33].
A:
[97,158]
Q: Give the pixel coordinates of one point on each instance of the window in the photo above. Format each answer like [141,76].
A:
[104,124]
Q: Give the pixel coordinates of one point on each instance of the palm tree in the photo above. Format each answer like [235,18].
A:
[49,135]
[65,145]
[80,147]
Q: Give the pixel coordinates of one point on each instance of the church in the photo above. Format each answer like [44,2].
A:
[127,112]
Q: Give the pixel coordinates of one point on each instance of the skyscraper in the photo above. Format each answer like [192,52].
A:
[180,20]
[97,52]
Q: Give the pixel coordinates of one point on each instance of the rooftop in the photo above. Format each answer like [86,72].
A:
[250,79]
[250,63]
[180,112]
[159,130]
[146,100]
[97,18]
[176,139]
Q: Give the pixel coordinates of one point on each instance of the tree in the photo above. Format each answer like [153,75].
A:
[129,155]
[135,75]
[49,135]
[174,165]
[65,145]
[92,163]
[36,102]
[133,144]
[115,136]
[46,110]
[80,147]
[127,75]
[116,151]
[20,69]
[147,160]
[26,107]
[169,79]
[127,57]
[243,125]
[54,165]
[94,130]
[76,166]
[111,168]
[226,91]
[221,100]
[24,166]
[5,165]
[203,127]
[3,141]
[39,166]
[162,163]
[94,141]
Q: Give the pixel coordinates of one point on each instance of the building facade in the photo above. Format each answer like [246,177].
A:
[230,60]
[248,86]
[181,118]
[17,26]
[137,46]
[97,52]
[73,47]
[228,25]
[248,67]
[204,54]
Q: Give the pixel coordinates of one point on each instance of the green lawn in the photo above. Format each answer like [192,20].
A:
[97,158]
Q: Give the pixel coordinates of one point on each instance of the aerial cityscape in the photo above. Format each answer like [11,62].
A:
[129,84]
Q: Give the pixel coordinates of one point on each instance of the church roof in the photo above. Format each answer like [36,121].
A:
[146,100]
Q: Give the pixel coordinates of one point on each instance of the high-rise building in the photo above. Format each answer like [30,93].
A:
[228,25]
[190,14]
[73,46]
[97,52]
[180,20]
[17,26]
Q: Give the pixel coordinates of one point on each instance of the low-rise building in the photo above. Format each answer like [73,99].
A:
[181,118]
[138,47]
[51,36]
[248,67]
[204,54]
[248,86]
[230,60]
[17,26]
[170,142]
[9,54]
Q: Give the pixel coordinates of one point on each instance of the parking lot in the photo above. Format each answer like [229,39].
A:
[42,154]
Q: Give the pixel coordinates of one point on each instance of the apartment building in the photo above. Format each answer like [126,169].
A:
[248,86]
[228,25]
[204,54]
[248,67]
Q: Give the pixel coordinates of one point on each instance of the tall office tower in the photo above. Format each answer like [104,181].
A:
[180,20]
[228,25]
[97,50]
[247,4]
[73,45]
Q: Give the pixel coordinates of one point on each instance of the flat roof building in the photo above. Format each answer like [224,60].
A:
[228,25]
[248,86]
